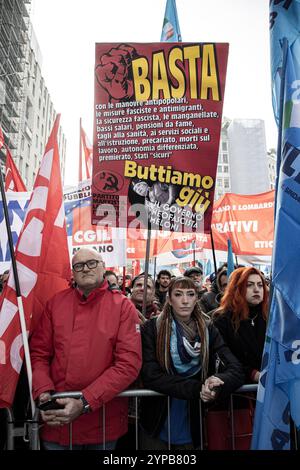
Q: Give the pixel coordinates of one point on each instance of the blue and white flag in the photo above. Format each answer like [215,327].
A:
[171,29]
[279,386]
[284,23]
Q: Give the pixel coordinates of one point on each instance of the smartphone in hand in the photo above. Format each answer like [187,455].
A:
[50,404]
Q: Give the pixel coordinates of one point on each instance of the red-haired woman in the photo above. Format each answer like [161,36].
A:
[179,353]
[241,318]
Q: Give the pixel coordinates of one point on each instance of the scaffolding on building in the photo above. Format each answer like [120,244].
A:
[14,44]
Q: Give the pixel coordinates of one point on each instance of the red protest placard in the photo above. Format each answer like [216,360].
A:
[157,121]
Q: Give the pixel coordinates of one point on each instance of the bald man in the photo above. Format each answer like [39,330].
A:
[88,340]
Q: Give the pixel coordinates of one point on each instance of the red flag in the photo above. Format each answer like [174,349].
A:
[43,266]
[1,138]
[13,180]
[85,156]
[136,267]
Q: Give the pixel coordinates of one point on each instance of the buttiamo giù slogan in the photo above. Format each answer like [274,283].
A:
[188,196]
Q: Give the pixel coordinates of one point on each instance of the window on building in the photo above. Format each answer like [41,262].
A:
[226,169]
[21,164]
[22,143]
[40,102]
[38,122]
[36,141]
[226,183]
[42,130]
[33,88]
[219,182]
[219,168]
[225,157]
[224,145]
[28,109]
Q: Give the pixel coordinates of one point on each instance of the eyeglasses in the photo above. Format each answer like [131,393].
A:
[91,264]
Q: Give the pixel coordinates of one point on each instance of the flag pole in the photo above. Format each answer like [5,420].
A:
[146,270]
[213,250]
[80,153]
[124,280]
[154,268]
[280,124]
[18,294]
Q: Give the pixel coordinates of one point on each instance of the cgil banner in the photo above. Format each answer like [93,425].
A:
[109,242]
[157,121]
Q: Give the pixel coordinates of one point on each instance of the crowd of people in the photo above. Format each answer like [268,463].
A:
[94,339]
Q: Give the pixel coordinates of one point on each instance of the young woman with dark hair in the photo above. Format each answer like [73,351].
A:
[242,316]
[180,348]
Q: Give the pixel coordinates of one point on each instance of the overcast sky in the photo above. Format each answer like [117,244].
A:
[68,29]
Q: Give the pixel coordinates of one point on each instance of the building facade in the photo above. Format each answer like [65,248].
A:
[26,109]
[37,118]
[223,183]
[244,165]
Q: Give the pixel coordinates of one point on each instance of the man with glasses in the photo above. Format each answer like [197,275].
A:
[88,340]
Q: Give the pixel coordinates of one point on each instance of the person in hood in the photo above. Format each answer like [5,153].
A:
[211,300]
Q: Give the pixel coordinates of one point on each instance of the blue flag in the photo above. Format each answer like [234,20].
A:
[208,268]
[284,23]
[279,386]
[230,261]
[171,29]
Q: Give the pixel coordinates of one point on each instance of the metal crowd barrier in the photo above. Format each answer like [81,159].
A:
[14,431]
[136,394]
[30,430]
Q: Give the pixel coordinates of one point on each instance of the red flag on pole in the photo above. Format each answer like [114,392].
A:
[42,262]
[13,180]
[85,156]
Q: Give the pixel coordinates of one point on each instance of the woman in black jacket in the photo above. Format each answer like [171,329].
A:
[180,348]
[242,316]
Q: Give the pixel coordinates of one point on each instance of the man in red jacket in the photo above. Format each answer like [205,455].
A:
[88,340]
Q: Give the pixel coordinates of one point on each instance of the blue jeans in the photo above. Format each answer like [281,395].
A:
[54,446]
